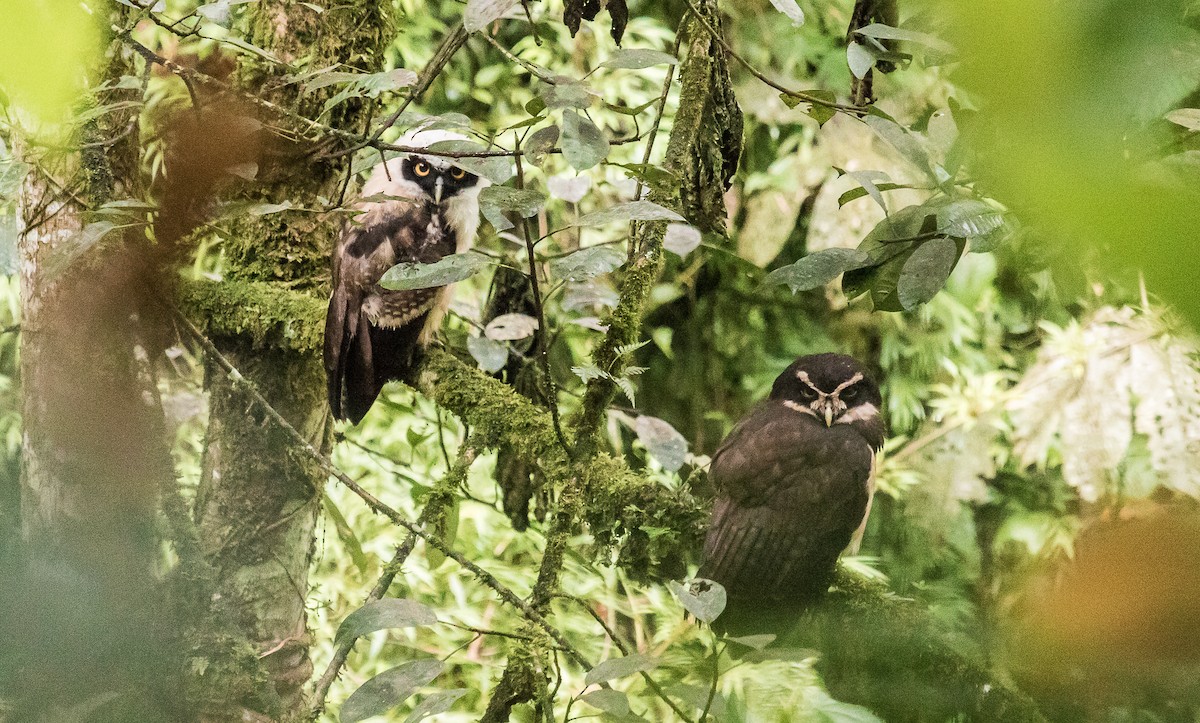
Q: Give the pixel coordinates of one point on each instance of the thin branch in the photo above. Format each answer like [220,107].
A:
[550,392]
[505,593]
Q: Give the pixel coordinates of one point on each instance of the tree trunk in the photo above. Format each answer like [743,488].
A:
[259,498]
[83,622]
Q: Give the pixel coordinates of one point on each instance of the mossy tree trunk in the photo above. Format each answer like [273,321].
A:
[259,499]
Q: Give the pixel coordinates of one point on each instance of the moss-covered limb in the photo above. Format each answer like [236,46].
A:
[262,313]
[703,153]
[887,654]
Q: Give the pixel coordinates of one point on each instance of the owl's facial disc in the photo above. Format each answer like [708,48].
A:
[438,182]
[834,405]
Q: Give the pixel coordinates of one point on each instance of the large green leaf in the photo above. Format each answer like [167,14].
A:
[620,667]
[925,271]
[704,599]
[586,263]
[455,267]
[389,612]
[631,211]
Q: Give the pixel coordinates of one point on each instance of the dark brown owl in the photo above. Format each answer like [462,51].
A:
[416,208]
[794,481]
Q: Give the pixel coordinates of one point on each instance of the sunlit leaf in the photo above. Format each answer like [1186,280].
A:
[1187,117]
[586,263]
[584,145]
[480,13]
[790,9]
[388,689]
[346,534]
[968,218]
[455,267]
[631,211]
[382,614]
[571,189]
[681,239]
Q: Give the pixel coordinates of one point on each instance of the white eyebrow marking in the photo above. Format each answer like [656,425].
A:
[794,406]
[856,378]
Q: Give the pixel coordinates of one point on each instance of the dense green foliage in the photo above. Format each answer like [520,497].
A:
[1034,389]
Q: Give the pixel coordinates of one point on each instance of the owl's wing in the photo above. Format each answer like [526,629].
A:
[361,354]
[790,494]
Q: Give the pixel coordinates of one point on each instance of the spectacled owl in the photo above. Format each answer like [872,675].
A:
[794,482]
[415,208]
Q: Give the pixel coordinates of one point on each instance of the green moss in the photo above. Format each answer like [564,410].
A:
[267,315]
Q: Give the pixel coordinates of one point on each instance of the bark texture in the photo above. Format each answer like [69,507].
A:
[259,499]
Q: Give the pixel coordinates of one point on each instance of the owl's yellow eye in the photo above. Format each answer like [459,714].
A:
[421,168]
[458,174]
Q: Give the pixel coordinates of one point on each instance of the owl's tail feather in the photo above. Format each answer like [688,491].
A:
[367,360]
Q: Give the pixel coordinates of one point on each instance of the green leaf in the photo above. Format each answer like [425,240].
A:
[697,696]
[480,13]
[631,211]
[566,93]
[388,689]
[903,141]
[662,441]
[610,701]
[790,9]
[496,169]
[490,355]
[511,327]
[888,245]
[253,49]
[638,58]
[455,267]
[860,59]
[817,269]
[541,142]
[705,599]
[655,177]
[879,31]
[857,193]
[586,263]
[524,202]
[821,113]
[867,180]
[754,642]
[925,272]
[389,612]
[435,703]
[371,84]
[346,534]
[681,239]
[584,145]
[614,668]
[968,218]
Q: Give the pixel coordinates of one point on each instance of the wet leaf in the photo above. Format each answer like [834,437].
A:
[925,272]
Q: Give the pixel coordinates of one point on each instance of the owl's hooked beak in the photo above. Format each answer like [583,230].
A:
[827,408]
[438,186]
